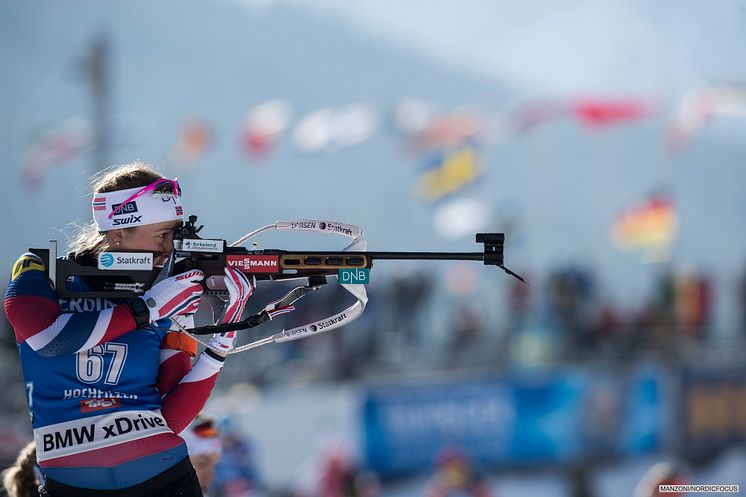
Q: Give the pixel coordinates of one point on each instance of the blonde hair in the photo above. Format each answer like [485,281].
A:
[20,479]
[88,240]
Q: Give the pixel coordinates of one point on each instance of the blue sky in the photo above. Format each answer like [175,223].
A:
[541,46]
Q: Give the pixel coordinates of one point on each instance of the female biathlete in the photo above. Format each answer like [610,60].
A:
[109,388]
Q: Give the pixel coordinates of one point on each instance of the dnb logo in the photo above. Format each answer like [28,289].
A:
[128,208]
[107,260]
[354,276]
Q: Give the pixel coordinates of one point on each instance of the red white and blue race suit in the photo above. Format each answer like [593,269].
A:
[106,399]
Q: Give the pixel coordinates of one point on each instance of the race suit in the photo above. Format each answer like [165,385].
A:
[106,400]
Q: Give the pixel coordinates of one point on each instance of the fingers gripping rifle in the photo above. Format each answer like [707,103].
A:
[212,256]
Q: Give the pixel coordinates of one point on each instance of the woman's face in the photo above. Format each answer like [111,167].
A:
[157,238]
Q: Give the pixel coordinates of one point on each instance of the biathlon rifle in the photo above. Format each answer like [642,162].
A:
[122,275]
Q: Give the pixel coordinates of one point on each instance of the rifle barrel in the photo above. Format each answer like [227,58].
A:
[453,256]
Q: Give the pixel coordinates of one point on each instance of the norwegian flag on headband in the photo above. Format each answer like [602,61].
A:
[99,204]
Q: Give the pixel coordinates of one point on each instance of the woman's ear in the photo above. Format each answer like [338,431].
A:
[115,237]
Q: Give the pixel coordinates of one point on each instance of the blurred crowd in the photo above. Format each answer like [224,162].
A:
[564,319]
[412,325]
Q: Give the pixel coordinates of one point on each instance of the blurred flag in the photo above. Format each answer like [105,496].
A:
[413,115]
[53,147]
[598,113]
[460,218]
[450,171]
[354,124]
[698,106]
[590,111]
[328,129]
[449,130]
[648,226]
[525,116]
[264,125]
[313,132]
[192,143]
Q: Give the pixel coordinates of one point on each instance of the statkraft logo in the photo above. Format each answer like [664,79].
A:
[125,260]
[336,227]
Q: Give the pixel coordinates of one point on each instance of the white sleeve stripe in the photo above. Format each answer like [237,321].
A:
[204,368]
[167,354]
[44,337]
[102,324]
